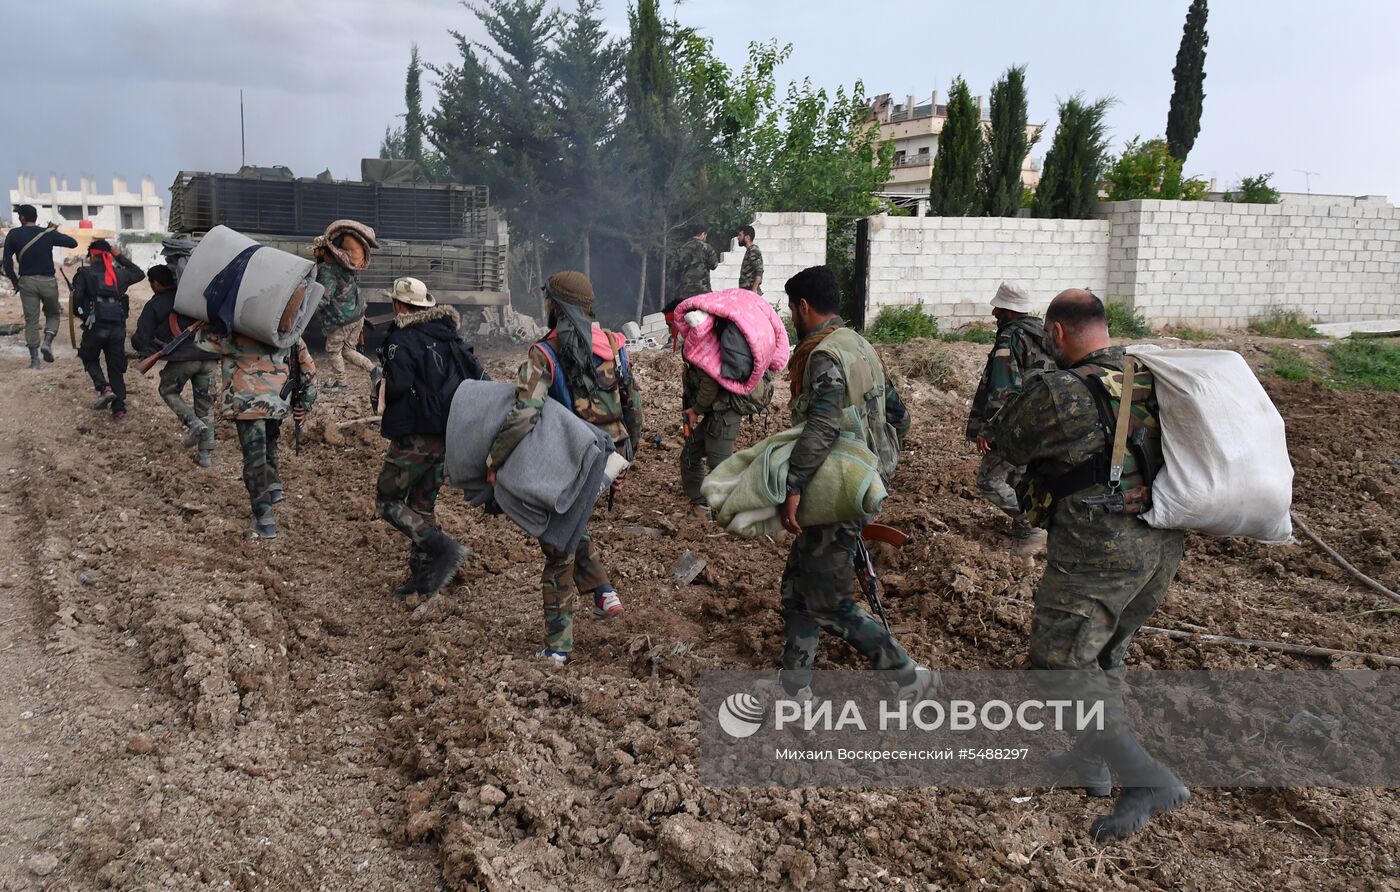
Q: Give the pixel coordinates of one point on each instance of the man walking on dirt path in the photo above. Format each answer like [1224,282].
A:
[751,270]
[187,363]
[342,252]
[1017,352]
[712,427]
[584,367]
[101,302]
[259,393]
[28,264]
[1107,571]
[424,360]
[833,369]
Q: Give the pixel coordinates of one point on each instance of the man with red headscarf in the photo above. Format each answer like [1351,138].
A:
[100,301]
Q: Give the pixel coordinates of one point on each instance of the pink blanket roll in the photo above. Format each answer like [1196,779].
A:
[762,328]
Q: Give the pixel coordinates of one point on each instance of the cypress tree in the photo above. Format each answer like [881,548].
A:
[1184,116]
[1007,146]
[953,189]
[1069,184]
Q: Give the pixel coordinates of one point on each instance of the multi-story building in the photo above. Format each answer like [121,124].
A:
[915,127]
[118,211]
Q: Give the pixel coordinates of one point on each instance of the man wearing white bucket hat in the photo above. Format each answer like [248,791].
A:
[1018,351]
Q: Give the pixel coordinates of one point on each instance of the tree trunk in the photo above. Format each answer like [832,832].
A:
[588,252]
[642,288]
[665,258]
[539,276]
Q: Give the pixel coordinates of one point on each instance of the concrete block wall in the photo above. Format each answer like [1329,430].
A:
[953,265]
[1219,264]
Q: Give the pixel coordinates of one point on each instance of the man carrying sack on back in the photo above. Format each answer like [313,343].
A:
[1091,443]
[833,370]
[342,253]
[585,368]
[28,264]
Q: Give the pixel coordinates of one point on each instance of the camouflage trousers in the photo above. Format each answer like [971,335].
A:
[200,376]
[343,344]
[406,495]
[258,439]
[818,595]
[565,575]
[709,444]
[996,480]
[1086,616]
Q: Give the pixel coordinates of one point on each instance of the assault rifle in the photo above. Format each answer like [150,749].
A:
[146,365]
[293,392]
[865,567]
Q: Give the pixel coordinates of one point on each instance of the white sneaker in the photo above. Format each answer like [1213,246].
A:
[558,658]
[606,605]
[924,683]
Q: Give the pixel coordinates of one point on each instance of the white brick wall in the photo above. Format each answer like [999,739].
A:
[953,265]
[790,243]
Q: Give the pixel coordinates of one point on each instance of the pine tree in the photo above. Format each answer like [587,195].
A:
[1007,145]
[1184,116]
[584,68]
[413,117]
[1069,183]
[953,190]
[460,128]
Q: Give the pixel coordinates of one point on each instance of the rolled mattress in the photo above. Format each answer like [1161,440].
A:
[269,284]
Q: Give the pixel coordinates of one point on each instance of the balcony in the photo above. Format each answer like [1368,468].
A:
[915,160]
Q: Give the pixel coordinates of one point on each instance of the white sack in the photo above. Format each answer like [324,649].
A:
[268,284]
[1226,471]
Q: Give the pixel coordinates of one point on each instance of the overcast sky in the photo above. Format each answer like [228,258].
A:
[150,88]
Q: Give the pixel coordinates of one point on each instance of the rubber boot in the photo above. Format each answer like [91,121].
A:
[204,458]
[445,555]
[1149,787]
[417,563]
[46,348]
[1075,768]
[34,362]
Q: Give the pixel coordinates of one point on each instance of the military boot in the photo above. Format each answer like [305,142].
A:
[1148,786]
[204,458]
[1075,768]
[1026,540]
[46,348]
[445,555]
[34,362]
[417,563]
[194,430]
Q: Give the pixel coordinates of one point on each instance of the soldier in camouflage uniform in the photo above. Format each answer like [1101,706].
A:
[342,252]
[714,426]
[258,395]
[424,361]
[597,384]
[833,370]
[689,273]
[751,270]
[156,327]
[1017,353]
[1107,570]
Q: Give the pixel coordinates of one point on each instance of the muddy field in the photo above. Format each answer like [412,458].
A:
[190,709]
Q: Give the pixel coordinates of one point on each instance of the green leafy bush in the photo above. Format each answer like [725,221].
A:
[1288,365]
[1254,190]
[1188,333]
[1124,321]
[973,334]
[1280,322]
[896,325]
[1366,363]
[1148,170]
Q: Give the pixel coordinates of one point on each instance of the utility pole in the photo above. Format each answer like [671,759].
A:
[1307,178]
[242,135]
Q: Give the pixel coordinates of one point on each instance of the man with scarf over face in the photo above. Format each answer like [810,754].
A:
[602,391]
[834,369]
[342,253]
[100,301]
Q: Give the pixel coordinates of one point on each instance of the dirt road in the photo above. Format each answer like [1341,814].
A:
[213,712]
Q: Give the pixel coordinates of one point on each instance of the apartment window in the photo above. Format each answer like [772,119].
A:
[923,153]
[133,218]
[70,211]
[899,156]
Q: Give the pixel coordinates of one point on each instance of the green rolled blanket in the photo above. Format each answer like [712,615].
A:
[746,490]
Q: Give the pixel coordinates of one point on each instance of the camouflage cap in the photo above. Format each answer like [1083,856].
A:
[411,291]
[571,287]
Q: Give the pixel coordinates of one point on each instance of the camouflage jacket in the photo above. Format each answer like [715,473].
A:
[255,374]
[622,402]
[690,269]
[701,392]
[1053,426]
[825,409]
[341,304]
[751,269]
[1018,351]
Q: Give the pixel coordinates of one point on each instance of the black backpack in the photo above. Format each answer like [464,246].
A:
[445,365]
